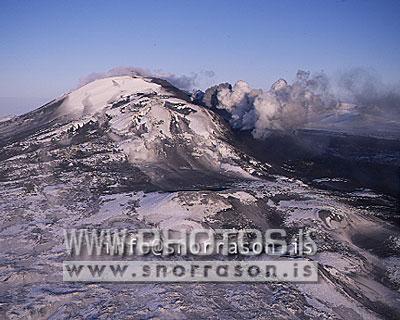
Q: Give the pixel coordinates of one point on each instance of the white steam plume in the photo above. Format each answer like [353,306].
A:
[283,107]
[185,82]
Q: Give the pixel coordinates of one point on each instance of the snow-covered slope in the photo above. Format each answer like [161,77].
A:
[96,96]
[146,121]
[134,152]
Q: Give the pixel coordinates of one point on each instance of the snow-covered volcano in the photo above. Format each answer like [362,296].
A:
[135,152]
[145,120]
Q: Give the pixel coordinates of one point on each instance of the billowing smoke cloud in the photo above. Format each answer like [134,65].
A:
[364,88]
[184,82]
[307,102]
[283,107]
[208,73]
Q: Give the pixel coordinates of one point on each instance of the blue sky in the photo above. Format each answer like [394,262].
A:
[46,46]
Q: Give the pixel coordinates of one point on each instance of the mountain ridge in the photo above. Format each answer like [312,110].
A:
[107,156]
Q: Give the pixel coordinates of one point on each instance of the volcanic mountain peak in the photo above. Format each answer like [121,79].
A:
[130,152]
[145,122]
[98,94]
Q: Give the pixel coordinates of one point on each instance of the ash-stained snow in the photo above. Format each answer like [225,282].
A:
[131,153]
[149,124]
[6,118]
[180,210]
[345,289]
